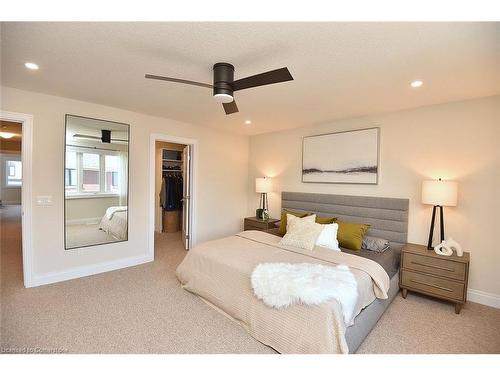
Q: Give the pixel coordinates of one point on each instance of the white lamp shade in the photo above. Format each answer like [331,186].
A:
[263,185]
[439,193]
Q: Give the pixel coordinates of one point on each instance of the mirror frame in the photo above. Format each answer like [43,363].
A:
[66,248]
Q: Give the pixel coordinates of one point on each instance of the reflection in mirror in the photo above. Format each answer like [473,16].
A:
[95,182]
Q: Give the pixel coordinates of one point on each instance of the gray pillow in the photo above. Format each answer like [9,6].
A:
[375,244]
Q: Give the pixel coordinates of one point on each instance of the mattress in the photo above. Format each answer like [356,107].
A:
[389,259]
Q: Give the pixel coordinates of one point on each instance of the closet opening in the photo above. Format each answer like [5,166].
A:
[173,179]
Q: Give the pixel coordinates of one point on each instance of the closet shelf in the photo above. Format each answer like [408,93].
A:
[173,160]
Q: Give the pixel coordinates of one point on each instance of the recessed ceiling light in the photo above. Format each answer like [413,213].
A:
[416,83]
[6,135]
[31,66]
[248,122]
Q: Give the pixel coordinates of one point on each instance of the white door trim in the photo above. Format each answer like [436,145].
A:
[194,185]
[26,197]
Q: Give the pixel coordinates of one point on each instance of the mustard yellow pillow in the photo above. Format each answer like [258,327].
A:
[325,220]
[350,235]
[282,229]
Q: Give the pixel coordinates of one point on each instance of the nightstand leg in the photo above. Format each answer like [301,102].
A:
[404,292]
[458,307]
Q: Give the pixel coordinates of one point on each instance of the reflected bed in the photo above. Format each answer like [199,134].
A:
[114,222]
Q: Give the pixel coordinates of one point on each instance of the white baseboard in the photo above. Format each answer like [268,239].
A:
[484,298]
[74,273]
[87,221]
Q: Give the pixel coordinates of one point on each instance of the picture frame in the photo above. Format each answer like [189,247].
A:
[346,157]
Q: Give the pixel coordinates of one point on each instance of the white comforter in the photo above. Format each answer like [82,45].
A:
[117,226]
[110,211]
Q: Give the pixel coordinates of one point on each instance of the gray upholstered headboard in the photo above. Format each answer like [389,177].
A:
[388,217]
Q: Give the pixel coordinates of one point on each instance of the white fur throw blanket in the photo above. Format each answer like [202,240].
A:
[280,285]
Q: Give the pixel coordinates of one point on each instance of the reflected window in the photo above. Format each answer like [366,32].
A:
[70,175]
[93,172]
[90,173]
[112,170]
[14,173]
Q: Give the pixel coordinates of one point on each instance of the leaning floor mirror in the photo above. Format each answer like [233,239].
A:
[95,182]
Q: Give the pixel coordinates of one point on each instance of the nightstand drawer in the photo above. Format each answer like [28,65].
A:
[252,223]
[434,266]
[433,285]
[254,227]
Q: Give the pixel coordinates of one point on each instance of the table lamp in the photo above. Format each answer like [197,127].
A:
[263,185]
[438,193]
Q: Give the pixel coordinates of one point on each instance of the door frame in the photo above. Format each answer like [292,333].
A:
[26,198]
[154,137]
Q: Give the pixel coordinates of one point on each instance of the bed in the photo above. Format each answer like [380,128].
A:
[115,223]
[219,272]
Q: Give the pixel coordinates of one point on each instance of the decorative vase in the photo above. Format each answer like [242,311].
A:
[265,215]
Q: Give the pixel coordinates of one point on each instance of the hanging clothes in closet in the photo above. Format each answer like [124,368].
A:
[171,191]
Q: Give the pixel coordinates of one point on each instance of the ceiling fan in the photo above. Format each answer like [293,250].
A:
[224,84]
[104,138]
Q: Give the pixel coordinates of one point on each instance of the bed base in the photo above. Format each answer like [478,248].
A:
[369,316]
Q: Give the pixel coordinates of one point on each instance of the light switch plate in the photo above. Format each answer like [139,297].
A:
[44,200]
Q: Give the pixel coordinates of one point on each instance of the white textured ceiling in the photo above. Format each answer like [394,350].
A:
[340,69]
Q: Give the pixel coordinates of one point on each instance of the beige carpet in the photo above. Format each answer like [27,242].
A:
[143,310]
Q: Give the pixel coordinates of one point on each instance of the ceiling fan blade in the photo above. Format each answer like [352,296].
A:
[161,78]
[230,107]
[267,78]
[99,138]
[85,136]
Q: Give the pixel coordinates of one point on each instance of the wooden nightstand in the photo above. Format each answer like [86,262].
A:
[253,223]
[425,272]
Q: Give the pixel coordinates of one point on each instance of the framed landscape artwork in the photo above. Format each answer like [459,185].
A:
[349,157]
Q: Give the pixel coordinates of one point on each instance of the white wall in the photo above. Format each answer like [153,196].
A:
[89,208]
[222,179]
[458,141]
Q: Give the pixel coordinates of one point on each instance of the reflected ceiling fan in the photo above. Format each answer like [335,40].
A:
[224,84]
[104,138]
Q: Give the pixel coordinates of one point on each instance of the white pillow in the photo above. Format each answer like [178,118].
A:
[328,237]
[292,218]
[302,234]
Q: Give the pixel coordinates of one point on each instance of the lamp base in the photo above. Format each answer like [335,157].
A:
[263,212]
[441,223]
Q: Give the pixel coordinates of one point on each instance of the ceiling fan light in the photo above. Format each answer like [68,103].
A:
[416,83]
[31,66]
[6,135]
[223,98]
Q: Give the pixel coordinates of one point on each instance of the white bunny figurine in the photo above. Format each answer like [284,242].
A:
[443,249]
[454,245]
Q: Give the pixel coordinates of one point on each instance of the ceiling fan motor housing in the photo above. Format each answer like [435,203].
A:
[106,136]
[223,82]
